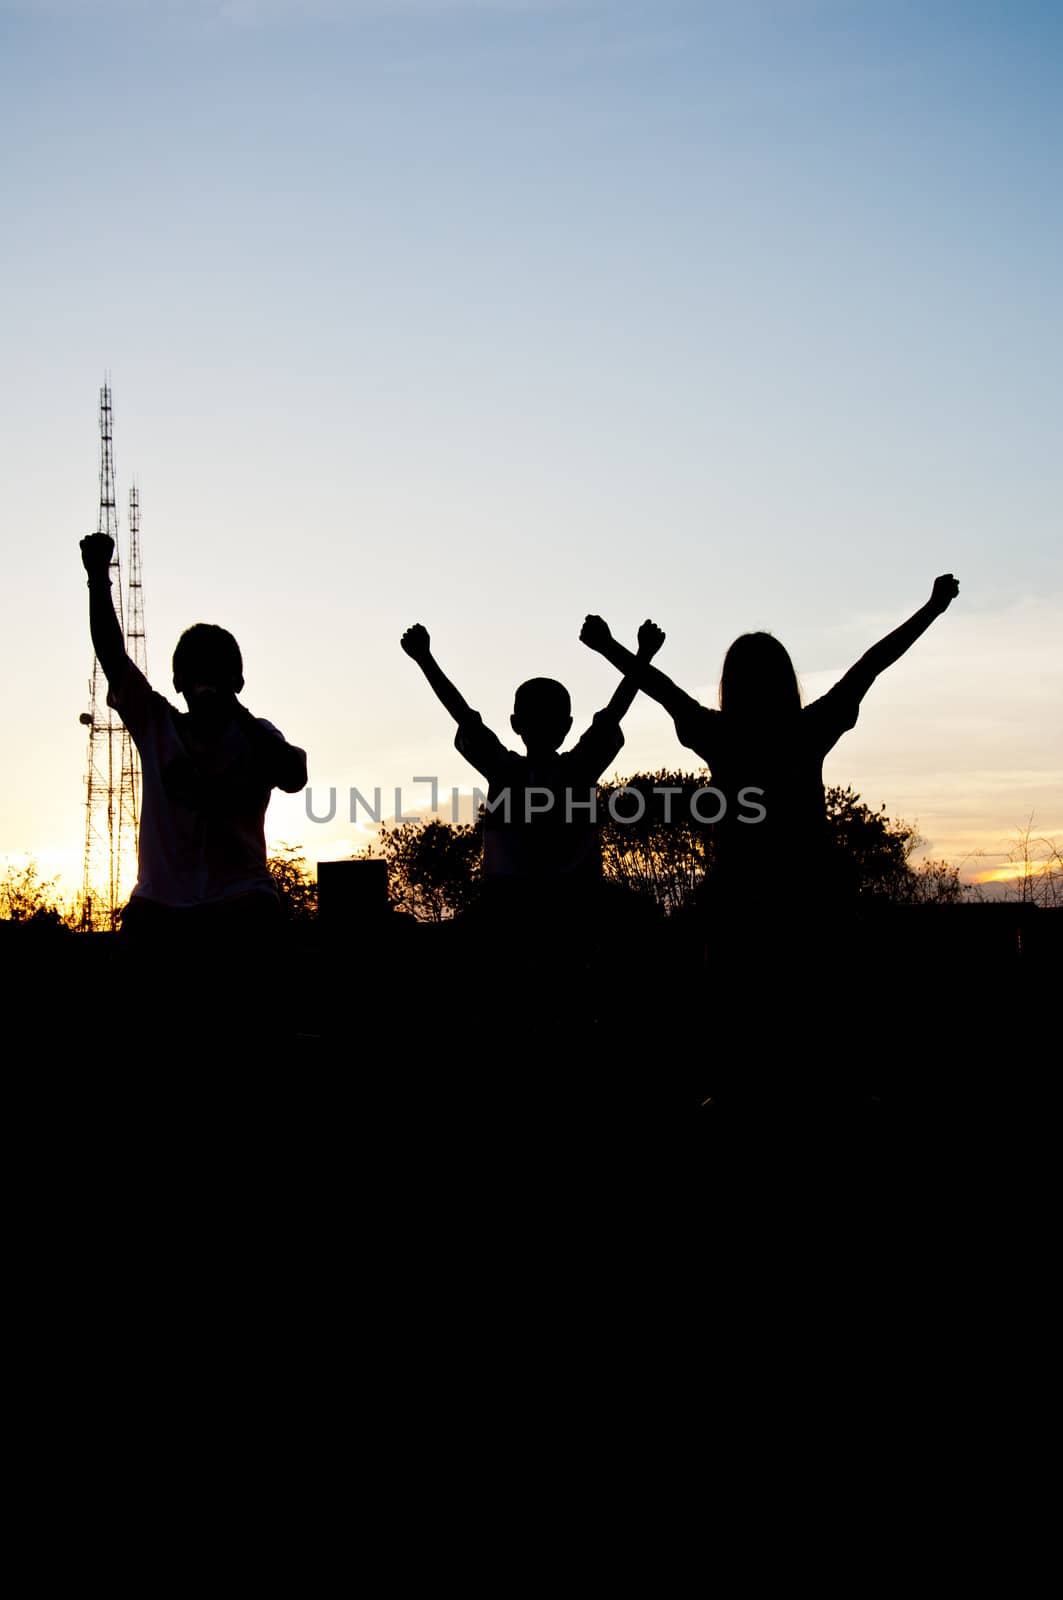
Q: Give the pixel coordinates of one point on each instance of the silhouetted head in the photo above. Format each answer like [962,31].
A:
[208,670]
[758,681]
[542,714]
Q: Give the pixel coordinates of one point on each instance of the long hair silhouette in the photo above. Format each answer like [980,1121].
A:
[758,680]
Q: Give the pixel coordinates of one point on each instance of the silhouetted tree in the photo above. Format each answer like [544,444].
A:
[433,867]
[938,883]
[26,897]
[294,882]
[1040,883]
[662,853]
[654,846]
[871,849]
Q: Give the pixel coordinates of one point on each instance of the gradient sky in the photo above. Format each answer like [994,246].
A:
[486,314]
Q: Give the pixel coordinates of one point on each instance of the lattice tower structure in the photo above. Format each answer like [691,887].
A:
[112,779]
[135,638]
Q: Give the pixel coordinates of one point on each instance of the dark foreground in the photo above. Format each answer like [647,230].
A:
[398,1192]
[383,1131]
[896,1018]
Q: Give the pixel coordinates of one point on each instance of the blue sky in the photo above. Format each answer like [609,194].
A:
[489,314]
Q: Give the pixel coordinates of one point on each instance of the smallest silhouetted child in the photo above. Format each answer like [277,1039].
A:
[541,846]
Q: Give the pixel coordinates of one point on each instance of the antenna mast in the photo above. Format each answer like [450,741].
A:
[136,646]
[112,783]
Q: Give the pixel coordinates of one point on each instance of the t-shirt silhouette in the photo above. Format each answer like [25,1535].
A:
[559,842]
[784,760]
[203,803]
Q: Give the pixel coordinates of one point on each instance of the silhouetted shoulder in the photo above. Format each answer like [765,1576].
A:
[135,701]
[698,728]
[826,719]
[481,748]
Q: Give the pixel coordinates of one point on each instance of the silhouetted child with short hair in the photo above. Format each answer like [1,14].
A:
[207,778]
[541,846]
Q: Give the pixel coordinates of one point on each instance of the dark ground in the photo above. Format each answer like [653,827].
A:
[901,1016]
[379,1131]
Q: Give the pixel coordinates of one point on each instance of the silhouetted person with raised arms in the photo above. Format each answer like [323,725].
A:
[764,750]
[541,847]
[771,890]
[207,778]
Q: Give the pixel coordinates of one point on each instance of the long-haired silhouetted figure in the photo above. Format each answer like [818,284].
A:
[765,751]
[774,908]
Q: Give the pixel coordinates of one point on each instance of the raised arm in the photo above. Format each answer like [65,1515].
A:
[860,677]
[595,634]
[418,647]
[97,549]
[651,638]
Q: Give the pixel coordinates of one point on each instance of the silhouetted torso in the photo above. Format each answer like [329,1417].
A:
[784,760]
[203,805]
[550,848]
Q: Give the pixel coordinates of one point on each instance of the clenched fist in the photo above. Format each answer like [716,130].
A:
[651,638]
[97,549]
[595,633]
[416,643]
[946,589]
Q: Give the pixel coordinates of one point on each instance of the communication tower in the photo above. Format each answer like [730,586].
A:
[112,785]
